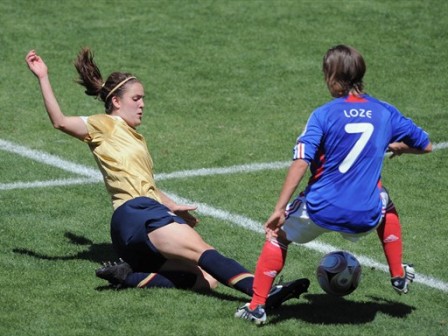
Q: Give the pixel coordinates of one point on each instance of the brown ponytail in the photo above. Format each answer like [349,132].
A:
[89,74]
[90,77]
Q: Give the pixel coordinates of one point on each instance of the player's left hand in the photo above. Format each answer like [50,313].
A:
[183,211]
[397,148]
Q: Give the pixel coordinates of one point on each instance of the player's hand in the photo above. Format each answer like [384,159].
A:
[273,224]
[36,64]
[397,148]
[183,211]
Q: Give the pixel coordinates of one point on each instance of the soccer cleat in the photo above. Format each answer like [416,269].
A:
[284,291]
[401,285]
[115,273]
[257,316]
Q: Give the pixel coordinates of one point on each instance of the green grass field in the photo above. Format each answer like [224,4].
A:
[228,84]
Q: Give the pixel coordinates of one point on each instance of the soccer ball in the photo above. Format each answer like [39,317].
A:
[339,273]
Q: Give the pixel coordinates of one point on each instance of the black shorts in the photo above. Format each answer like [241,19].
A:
[130,225]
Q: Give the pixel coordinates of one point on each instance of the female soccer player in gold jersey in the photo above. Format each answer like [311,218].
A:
[154,235]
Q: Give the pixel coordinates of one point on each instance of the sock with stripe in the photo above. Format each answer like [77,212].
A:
[227,271]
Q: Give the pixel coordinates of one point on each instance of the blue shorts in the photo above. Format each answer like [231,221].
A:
[129,228]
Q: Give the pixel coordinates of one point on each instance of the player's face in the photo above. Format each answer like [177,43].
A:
[131,104]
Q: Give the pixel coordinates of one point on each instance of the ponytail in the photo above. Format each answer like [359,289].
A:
[90,77]
[89,74]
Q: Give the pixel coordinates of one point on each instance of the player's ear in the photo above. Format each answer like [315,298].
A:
[115,102]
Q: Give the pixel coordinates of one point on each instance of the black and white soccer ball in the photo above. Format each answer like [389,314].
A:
[339,273]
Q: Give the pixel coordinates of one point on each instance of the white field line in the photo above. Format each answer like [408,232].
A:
[48,159]
[227,170]
[51,183]
[440,145]
[92,176]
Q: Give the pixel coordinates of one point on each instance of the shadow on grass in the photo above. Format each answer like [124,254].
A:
[211,293]
[99,253]
[326,309]
[96,252]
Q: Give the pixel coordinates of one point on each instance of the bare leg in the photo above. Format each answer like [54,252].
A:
[179,241]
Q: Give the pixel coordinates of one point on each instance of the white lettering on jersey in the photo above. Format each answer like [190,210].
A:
[352,113]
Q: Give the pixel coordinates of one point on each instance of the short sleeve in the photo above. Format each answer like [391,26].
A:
[308,142]
[99,127]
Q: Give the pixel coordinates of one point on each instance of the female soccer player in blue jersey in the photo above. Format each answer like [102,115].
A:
[343,144]
[152,234]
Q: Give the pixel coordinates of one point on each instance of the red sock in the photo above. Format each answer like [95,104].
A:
[270,263]
[389,233]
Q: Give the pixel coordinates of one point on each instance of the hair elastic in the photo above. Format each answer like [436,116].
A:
[118,86]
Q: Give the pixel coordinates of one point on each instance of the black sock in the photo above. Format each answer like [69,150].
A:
[174,279]
[227,271]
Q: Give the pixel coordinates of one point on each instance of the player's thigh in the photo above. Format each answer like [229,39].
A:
[301,230]
[178,241]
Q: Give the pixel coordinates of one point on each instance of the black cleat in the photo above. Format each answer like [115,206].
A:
[284,291]
[115,273]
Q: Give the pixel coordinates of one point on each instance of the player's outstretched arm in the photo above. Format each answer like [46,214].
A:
[73,126]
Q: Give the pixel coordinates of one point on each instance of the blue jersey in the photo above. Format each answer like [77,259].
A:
[344,143]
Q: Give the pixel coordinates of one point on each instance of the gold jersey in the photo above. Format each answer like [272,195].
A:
[122,157]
